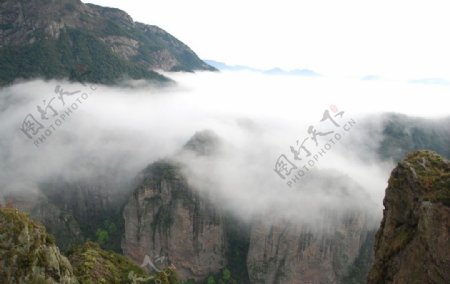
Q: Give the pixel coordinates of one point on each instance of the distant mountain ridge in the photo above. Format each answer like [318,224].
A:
[69,39]
[274,71]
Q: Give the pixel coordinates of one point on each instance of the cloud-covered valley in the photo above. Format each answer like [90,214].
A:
[115,132]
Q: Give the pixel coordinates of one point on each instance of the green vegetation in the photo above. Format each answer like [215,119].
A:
[102,236]
[433,173]
[27,252]
[91,264]
[104,233]
[47,58]
[161,170]
[225,277]
[26,245]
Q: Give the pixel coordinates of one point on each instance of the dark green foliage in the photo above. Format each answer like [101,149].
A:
[161,170]
[226,275]
[102,236]
[238,237]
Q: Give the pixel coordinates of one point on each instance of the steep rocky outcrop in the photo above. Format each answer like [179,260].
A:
[166,218]
[28,254]
[412,244]
[70,39]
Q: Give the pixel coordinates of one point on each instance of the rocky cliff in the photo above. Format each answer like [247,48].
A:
[412,244]
[290,253]
[59,223]
[28,254]
[166,219]
[70,39]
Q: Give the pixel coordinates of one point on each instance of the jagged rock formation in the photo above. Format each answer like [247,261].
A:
[28,254]
[69,39]
[166,218]
[412,244]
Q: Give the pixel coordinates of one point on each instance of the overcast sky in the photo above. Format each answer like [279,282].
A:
[392,39]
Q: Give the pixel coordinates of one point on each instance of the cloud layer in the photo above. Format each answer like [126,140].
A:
[114,132]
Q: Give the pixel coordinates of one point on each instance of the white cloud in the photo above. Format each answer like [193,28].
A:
[116,132]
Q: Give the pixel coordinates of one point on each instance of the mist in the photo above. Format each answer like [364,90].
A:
[115,132]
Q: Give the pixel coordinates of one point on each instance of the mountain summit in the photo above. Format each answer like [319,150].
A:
[413,242]
[70,39]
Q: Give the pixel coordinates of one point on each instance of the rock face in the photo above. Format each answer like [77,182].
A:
[28,254]
[69,39]
[290,253]
[59,223]
[89,205]
[73,211]
[164,218]
[412,244]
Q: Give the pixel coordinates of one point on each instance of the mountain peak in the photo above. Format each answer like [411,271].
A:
[48,38]
[203,143]
[412,243]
